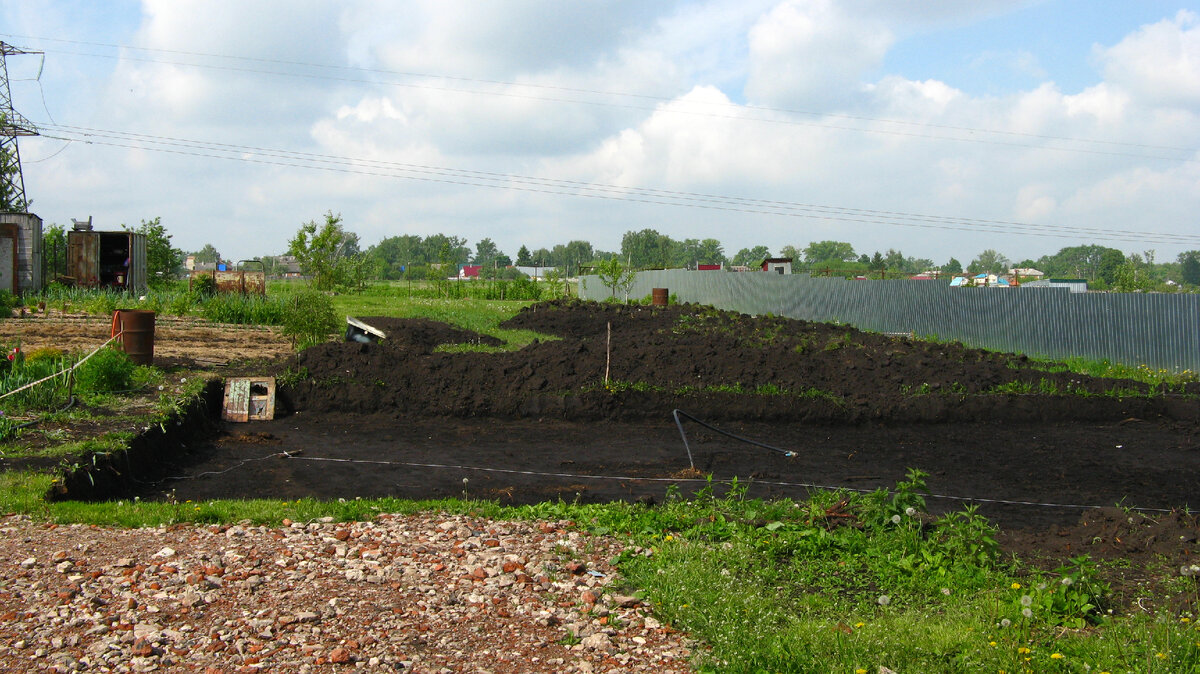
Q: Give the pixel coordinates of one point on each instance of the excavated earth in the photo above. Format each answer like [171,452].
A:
[1046,455]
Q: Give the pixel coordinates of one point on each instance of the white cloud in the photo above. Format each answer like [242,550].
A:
[1158,63]
[647,95]
[809,53]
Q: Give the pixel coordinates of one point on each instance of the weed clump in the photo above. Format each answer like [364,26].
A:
[309,318]
[108,371]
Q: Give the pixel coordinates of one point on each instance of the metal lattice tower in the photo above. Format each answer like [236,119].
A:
[12,125]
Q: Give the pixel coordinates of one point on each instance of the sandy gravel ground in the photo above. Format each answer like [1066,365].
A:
[423,593]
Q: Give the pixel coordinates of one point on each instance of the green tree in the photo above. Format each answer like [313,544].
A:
[54,250]
[523,258]
[446,250]
[1075,262]
[321,251]
[616,276]
[1111,261]
[988,262]
[207,255]
[577,252]
[395,254]
[486,252]
[751,257]
[824,251]
[952,266]
[163,261]
[647,248]
[1189,267]
[791,251]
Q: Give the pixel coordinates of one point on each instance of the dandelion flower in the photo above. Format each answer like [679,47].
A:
[1027,613]
[1026,600]
[1015,586]
[910,511]
[1005,623]
[1067,580]
[946,591]
[1023,650]
[1056,656]
[860,670]
[992,644]
[884,600]
[859,624]
[895,519]
[1160,655]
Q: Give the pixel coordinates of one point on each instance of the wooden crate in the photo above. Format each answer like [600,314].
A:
[249,399]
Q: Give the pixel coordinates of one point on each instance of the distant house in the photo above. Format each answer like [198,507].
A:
[1025,273]
[778,265]
[469,271]
[709,267]
[921,277]
[739,267]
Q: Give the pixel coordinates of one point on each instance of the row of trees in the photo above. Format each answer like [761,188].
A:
[411,256]
[331,254]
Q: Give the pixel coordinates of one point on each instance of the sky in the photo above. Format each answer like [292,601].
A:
[940,128]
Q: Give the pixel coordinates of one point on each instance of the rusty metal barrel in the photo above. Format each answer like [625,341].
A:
[137,334]
[658,297]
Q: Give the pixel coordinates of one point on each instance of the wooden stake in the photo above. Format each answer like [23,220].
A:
[607,353]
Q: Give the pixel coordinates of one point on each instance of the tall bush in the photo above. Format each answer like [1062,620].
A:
[309,318]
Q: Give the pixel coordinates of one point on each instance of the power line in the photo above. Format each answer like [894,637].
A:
[448,175]
[973,133]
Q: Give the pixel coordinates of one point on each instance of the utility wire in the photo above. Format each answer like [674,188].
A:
[382,168]
[972,134]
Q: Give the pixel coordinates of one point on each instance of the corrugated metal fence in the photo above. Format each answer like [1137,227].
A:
[1156,330]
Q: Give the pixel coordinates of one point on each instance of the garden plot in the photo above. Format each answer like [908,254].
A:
[1035,448]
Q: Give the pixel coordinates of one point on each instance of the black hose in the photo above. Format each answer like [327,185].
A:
[679,423]
[27,424]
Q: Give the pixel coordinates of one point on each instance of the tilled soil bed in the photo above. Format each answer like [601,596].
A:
[399,418]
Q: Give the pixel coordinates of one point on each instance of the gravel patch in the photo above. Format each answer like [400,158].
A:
[421,593]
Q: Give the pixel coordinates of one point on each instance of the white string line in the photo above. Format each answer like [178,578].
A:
[76,365]
[776,483]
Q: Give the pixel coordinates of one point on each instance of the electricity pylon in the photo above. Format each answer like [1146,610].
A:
[12,125]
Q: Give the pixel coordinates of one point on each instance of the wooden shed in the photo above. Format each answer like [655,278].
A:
[20,252]
[114,260]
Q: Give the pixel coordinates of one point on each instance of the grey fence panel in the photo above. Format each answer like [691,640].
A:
[1155,330]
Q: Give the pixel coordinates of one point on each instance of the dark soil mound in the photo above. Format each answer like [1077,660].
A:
[719,364]
[422,335]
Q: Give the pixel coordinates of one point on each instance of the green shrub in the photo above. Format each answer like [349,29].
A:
[8,302]
[309,318]
[204,286]
[108,371]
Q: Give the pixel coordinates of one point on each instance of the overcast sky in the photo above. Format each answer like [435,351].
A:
[940,128]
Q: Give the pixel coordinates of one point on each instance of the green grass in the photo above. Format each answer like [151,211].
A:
[767,586]
[782,586]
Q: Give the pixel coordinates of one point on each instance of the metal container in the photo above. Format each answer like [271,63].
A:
[659,297]
[107,260]
[137,334]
